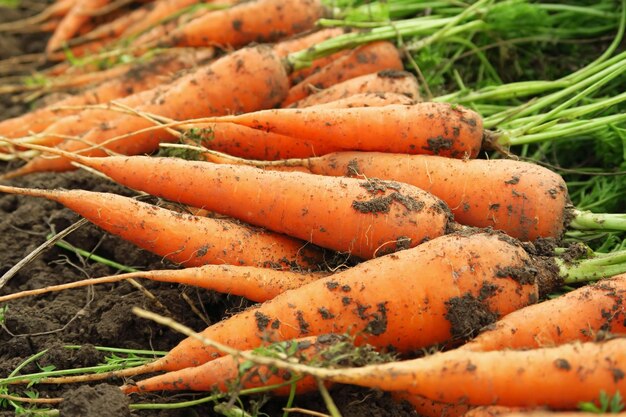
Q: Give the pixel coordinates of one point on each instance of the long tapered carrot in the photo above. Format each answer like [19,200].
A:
[256,284]
[440,291]
[559,377]
[399,82]
[56,10]
[581,315]
[71,23]
[525,200]
[423,128]
[141,77]
[261,83]
[258,20]
[385,216]
[364,60]
[184,239]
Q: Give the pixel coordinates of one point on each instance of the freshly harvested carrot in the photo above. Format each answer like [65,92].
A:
[184,239]
[423,128]
[580,315]
[71,23]
[387,302]
[399,82]
[364,218]
[525,200]
[257,20]
[140,77]
[559,377]
[261,83]
[368,100]
[223,373]
[500,410]
[429,408]
[52,12]
[548,413]
[373,57]
[256,284]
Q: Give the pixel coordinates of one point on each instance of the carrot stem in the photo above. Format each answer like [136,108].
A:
[586,220]
[601,265]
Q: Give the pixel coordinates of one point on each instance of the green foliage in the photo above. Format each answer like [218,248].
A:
[607,404]
[12,4]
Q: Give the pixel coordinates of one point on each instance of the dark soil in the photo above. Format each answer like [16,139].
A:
[101,315]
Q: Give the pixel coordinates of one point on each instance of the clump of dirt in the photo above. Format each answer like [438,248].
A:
[103,400]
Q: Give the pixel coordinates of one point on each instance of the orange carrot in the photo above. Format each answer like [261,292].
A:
[184,239]
[429,408]
[559,377]
[547,413]
[425,128]
[256,284]
[525,200]
[581,315]
[388,302]
[261,83]
[373,57]
[71,23]
[368,100]
[52,12]
[364,218]
[399,82]
[141,77]
[258,20]
[501,410]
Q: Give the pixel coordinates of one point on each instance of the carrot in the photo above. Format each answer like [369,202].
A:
[71,23]
[500,410]
[439,292]
[139,78]
[582,315]
[373,57]
[399,82]
[256,284]
[258,20]
[184,239]
[426,128]
[364,218]
[429,408]
[548,413]
[55,10]
[525,200]
[261,83]
[559,377]
[223,373]
[246,142]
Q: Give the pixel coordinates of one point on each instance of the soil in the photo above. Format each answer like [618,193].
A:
[101,315]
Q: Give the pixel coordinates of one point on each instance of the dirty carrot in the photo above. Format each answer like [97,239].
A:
[370,58]
[523,199]
[185,239]
[423,128]
[387,302]
[256,284]
[582,315]
[399,82]
[559,377]
[261,83]
[72,21]
[365,218]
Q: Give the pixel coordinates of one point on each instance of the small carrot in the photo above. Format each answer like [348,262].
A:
[424,128]
[184,239]
[560,377]
[258,20]
[364,218]
[71,23]
[580,315]
[261,83]
[525,200]
[256,284]
[373,57]
[399,82]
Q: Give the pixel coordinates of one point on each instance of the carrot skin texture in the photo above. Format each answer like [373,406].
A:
[255,21]
[384,216]
[576,316]
[373,57]
[262,83]
[525,200]
[387,302]
[399,82]
[188,240]
[71,23]
[423,128]
[558,377]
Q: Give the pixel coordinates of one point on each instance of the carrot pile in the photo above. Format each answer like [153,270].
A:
[317,148]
